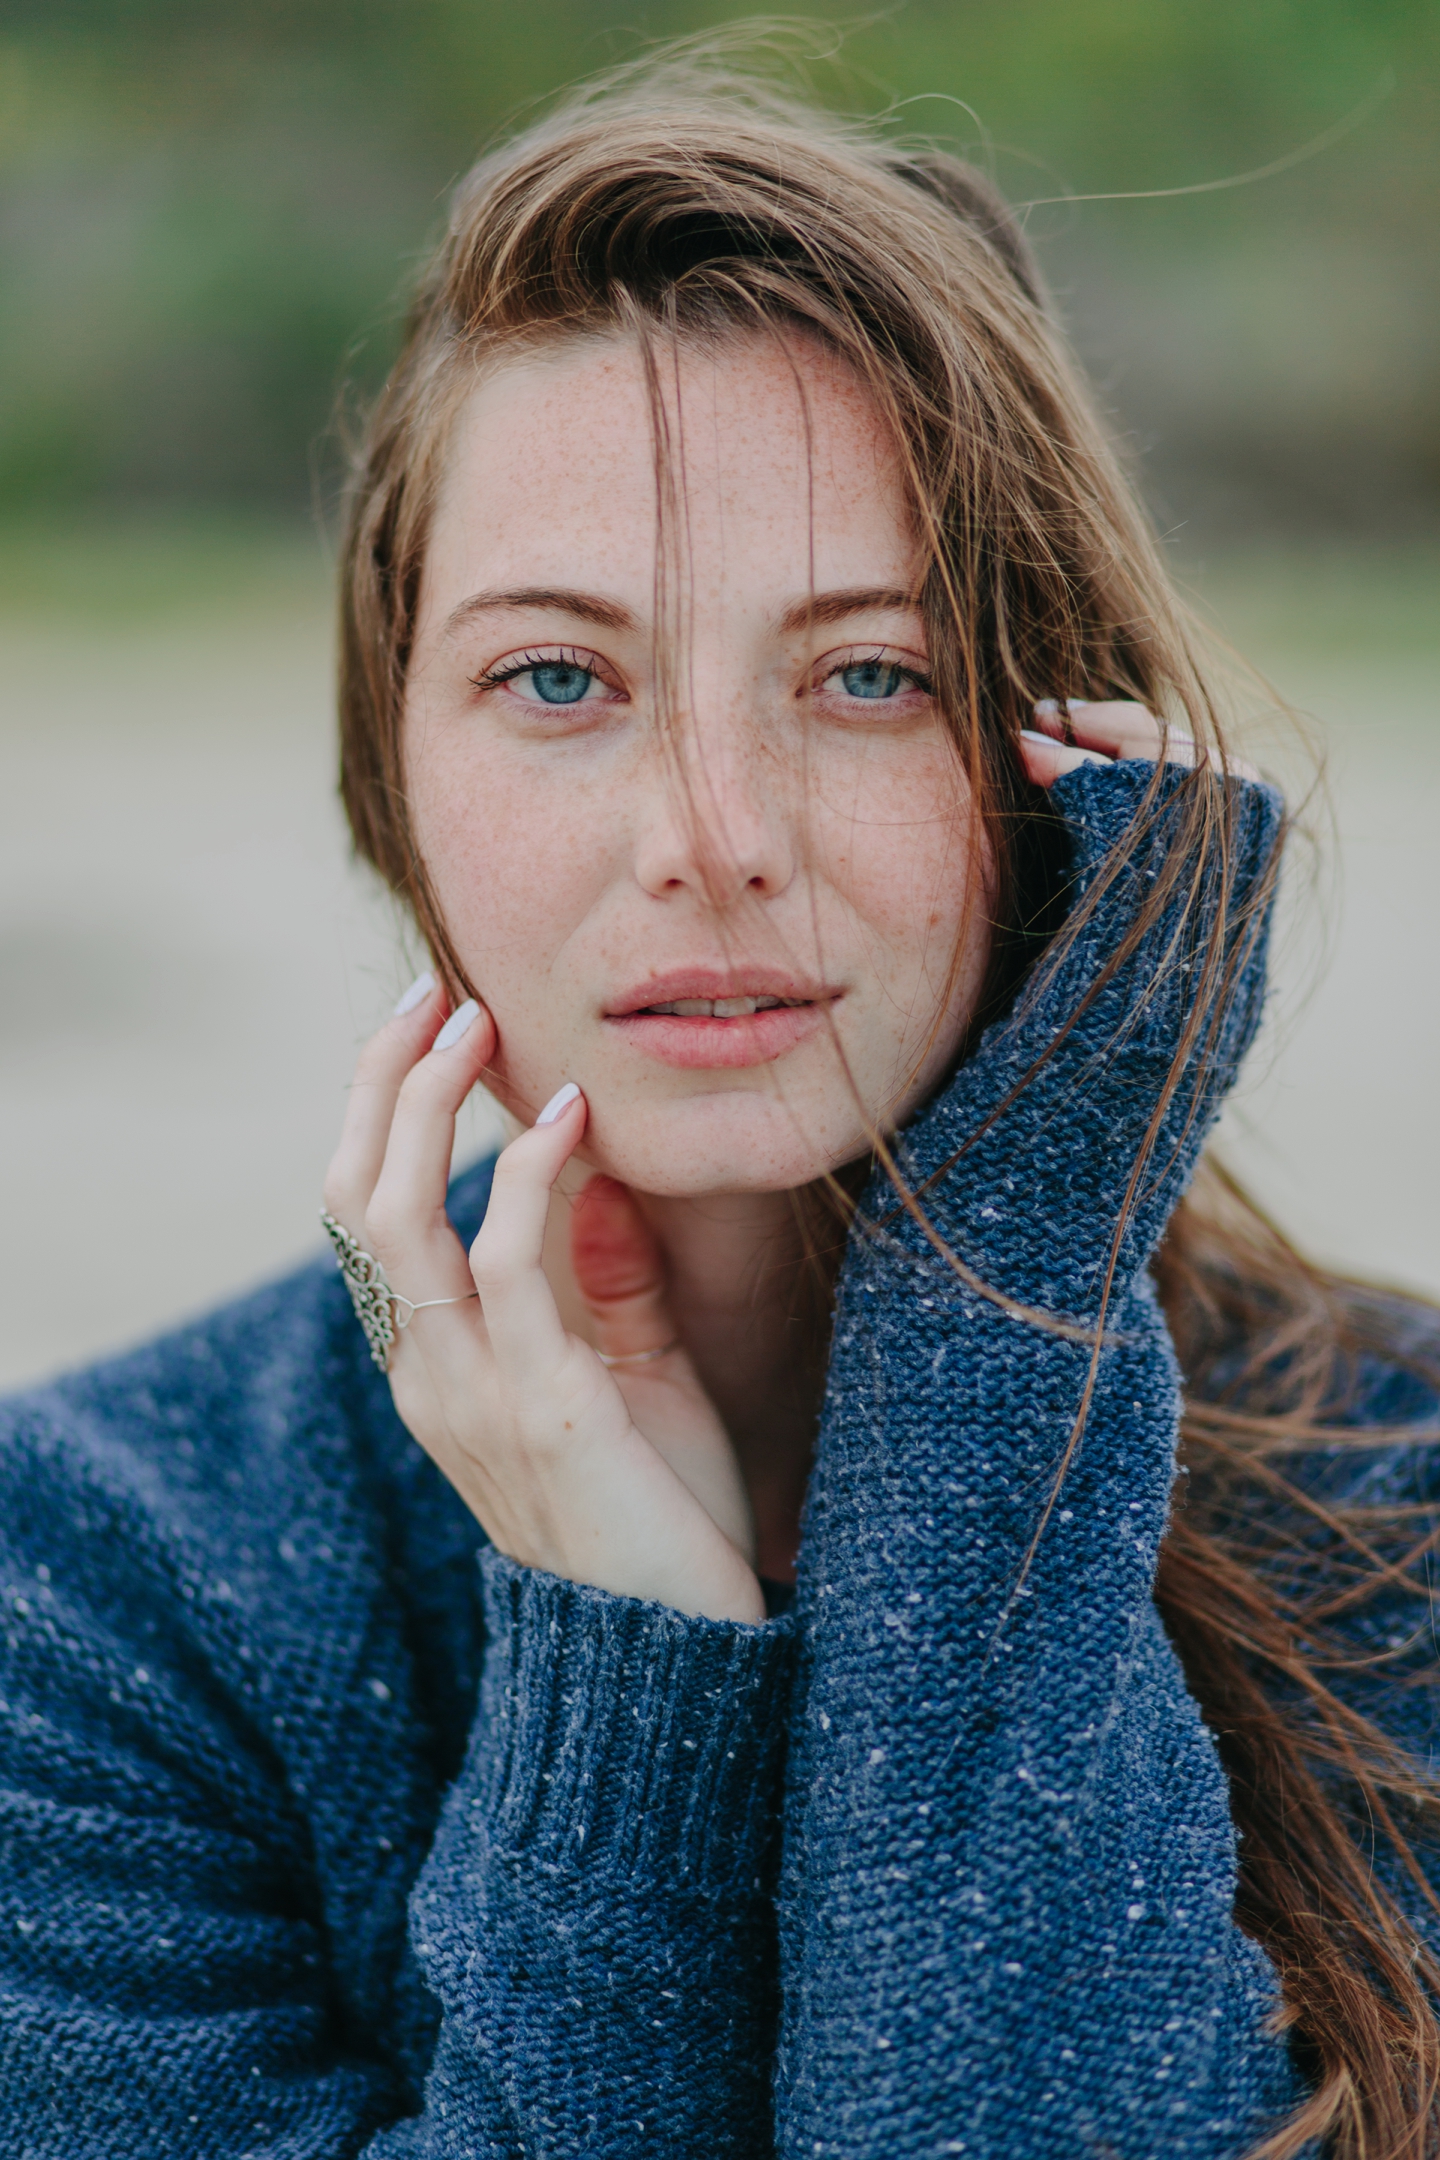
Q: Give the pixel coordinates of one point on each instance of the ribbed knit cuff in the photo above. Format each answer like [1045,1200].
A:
[626,1736]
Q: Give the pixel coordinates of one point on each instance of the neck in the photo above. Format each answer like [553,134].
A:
[743,1297]
[738,1280]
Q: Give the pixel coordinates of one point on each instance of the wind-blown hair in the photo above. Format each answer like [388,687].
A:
[678,203]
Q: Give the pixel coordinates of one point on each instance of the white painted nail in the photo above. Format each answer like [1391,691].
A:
[457,1025]
[417,993]
[1049,706]
[558,1104]
[1076,704]
[1030,734]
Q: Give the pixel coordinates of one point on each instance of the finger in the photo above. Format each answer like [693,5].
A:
[527,1335]
[1045,760]
[405,1222]
[370,1103]
[1049,720]
[1131,731]
[1126,730]
[620,1273]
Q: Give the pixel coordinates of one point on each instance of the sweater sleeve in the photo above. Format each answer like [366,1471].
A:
[214,1800]
[597,1913]
[1006,1917]
[175,1978]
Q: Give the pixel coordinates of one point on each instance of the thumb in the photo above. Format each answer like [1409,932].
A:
[619,1272]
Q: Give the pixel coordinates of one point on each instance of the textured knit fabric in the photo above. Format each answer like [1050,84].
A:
[318,1840]
[1031,1757]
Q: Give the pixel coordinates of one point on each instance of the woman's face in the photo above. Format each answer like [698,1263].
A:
[735,928]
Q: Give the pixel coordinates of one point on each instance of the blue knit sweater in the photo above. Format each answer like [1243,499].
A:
[320,1839]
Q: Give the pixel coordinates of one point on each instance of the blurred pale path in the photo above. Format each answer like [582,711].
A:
[1334,1127]
[188,961]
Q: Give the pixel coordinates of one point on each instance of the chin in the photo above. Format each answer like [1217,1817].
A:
[722,1143]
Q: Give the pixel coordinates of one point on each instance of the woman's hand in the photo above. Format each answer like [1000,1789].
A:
[1099,734]
[620,1477]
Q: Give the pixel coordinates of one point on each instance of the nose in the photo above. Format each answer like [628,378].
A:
[719,823]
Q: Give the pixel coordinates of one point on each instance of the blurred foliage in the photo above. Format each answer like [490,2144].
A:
[207,215]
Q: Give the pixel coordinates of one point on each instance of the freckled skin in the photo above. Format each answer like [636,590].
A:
[825,832]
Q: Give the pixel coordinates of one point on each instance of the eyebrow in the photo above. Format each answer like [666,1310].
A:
[817,610]
[814,611]
[557,599]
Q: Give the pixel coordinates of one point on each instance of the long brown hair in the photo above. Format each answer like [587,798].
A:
[680,203]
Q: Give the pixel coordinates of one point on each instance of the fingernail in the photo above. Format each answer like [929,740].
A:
[1076,704]
[417,993]
[558,1104]
[457,1025]
[1030,734]
[1049,706]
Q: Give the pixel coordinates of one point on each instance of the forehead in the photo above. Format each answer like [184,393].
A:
[551,468]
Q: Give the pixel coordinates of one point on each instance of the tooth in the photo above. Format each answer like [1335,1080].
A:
[692,1008]
[660,1008]
[736,1008]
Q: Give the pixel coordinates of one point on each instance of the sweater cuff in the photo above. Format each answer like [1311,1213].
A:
[623,1735]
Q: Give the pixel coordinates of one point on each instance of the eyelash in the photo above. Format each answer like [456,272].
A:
[558,656]
[571,656]
[875,656]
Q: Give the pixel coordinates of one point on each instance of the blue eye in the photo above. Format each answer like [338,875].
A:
[873,679]
[559,682]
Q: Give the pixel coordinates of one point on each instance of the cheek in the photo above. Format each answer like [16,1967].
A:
[510,860]
[910,860]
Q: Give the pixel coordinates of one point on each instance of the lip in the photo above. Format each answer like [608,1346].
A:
[700,1043]
[718,982]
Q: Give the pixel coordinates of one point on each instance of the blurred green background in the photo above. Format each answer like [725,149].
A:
[208,218]
[206,209]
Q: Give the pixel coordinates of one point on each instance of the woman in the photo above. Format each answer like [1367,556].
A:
[758,681]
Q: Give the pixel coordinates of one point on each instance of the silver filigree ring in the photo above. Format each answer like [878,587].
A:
[381,1311]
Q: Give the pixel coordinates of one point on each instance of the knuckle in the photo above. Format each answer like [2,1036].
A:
[510,1173]
[335,1194]
[384,1228]
[376,1063]
[421,1085]
[491,1267]
[430,1088]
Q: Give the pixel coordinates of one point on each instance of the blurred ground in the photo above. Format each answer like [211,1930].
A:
[188,961]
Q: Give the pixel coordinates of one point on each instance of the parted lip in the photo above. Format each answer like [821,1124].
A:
[718,982]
